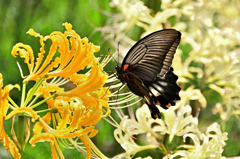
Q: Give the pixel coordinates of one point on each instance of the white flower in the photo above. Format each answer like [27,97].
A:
[144,157]
[212,145]
[126,140]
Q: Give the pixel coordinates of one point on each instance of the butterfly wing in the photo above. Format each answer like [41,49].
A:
[152,55]
[164,90]
[147,70]
[137,86]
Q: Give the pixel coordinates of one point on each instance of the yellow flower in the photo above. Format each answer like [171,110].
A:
[76,102]
[72,58]
[6,141]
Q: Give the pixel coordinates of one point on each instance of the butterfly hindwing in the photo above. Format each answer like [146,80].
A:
[137,86]
[164,90]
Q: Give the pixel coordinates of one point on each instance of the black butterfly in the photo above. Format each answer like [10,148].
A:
[147,70]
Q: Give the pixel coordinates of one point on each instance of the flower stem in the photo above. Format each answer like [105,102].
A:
[52,110]
[23,94]
[12,102]
[35,99]
[43,101]
[33,90]
[21,132]
[163,148]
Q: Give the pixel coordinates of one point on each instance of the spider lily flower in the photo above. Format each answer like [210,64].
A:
[75,101]
[207,145]
[144,157]
[177,122]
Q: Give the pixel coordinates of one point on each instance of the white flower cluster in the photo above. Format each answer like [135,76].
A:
[208,60]
[178,122]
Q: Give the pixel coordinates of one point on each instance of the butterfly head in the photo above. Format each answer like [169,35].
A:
[121,75]
[117,68]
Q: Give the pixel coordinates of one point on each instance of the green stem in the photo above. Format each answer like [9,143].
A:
[43,101]
[163,148]
[52,110]
[23,94]
[33,90]
[35,99]
[21,132]
[12,102]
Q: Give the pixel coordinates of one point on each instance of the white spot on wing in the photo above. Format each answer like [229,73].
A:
[163,83]
[154,91]
[157,87]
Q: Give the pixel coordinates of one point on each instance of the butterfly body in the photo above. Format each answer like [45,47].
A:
[147,70]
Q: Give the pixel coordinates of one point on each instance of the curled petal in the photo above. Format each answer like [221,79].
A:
[26,52]
[91,119]
[105,104]
[67,133]
[40,138]
[93,133]
[62,123]
[6,91]
[76,118]
[47,137]
[95,80]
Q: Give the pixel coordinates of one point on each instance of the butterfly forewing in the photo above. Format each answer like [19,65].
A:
[152,55]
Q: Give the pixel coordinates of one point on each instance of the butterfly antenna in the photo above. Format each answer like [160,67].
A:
[118,52]
[109,88]
[114,73]
[106,92]
[111,66]
[112,56]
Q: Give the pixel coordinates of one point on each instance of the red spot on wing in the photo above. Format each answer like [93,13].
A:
[169,105]
[125,66]
[125,76]
[158,103]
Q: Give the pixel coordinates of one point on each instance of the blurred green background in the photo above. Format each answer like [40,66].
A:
[46,16]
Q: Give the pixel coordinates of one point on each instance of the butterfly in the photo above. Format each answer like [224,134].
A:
[147,71]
